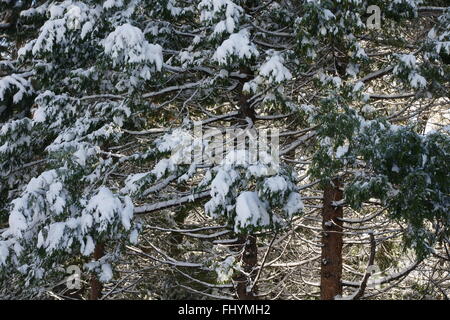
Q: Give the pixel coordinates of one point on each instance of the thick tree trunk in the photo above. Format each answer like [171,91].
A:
[249,262]
[96,285]
[331,262]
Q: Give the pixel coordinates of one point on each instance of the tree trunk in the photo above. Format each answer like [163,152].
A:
[331,262]
[96,285]
[249,262]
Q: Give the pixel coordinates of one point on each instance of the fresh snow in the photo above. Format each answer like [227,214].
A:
[89,246]
[224,269]
[274,70]
[341,151]
[55,235]
[127,45]
[294,204]
[15,83]
[104,206]
[250,211]
[276,184]
[106,273]
[237,45]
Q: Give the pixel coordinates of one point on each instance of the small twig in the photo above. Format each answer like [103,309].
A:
[360,292]
[263,262]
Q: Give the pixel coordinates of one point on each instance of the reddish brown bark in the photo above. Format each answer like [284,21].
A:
[249,262]
[96,285]
[331,257]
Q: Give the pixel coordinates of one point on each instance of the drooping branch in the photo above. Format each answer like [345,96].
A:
[360,291]
[148,208]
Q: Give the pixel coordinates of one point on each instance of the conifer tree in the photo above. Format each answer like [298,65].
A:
[115,111]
